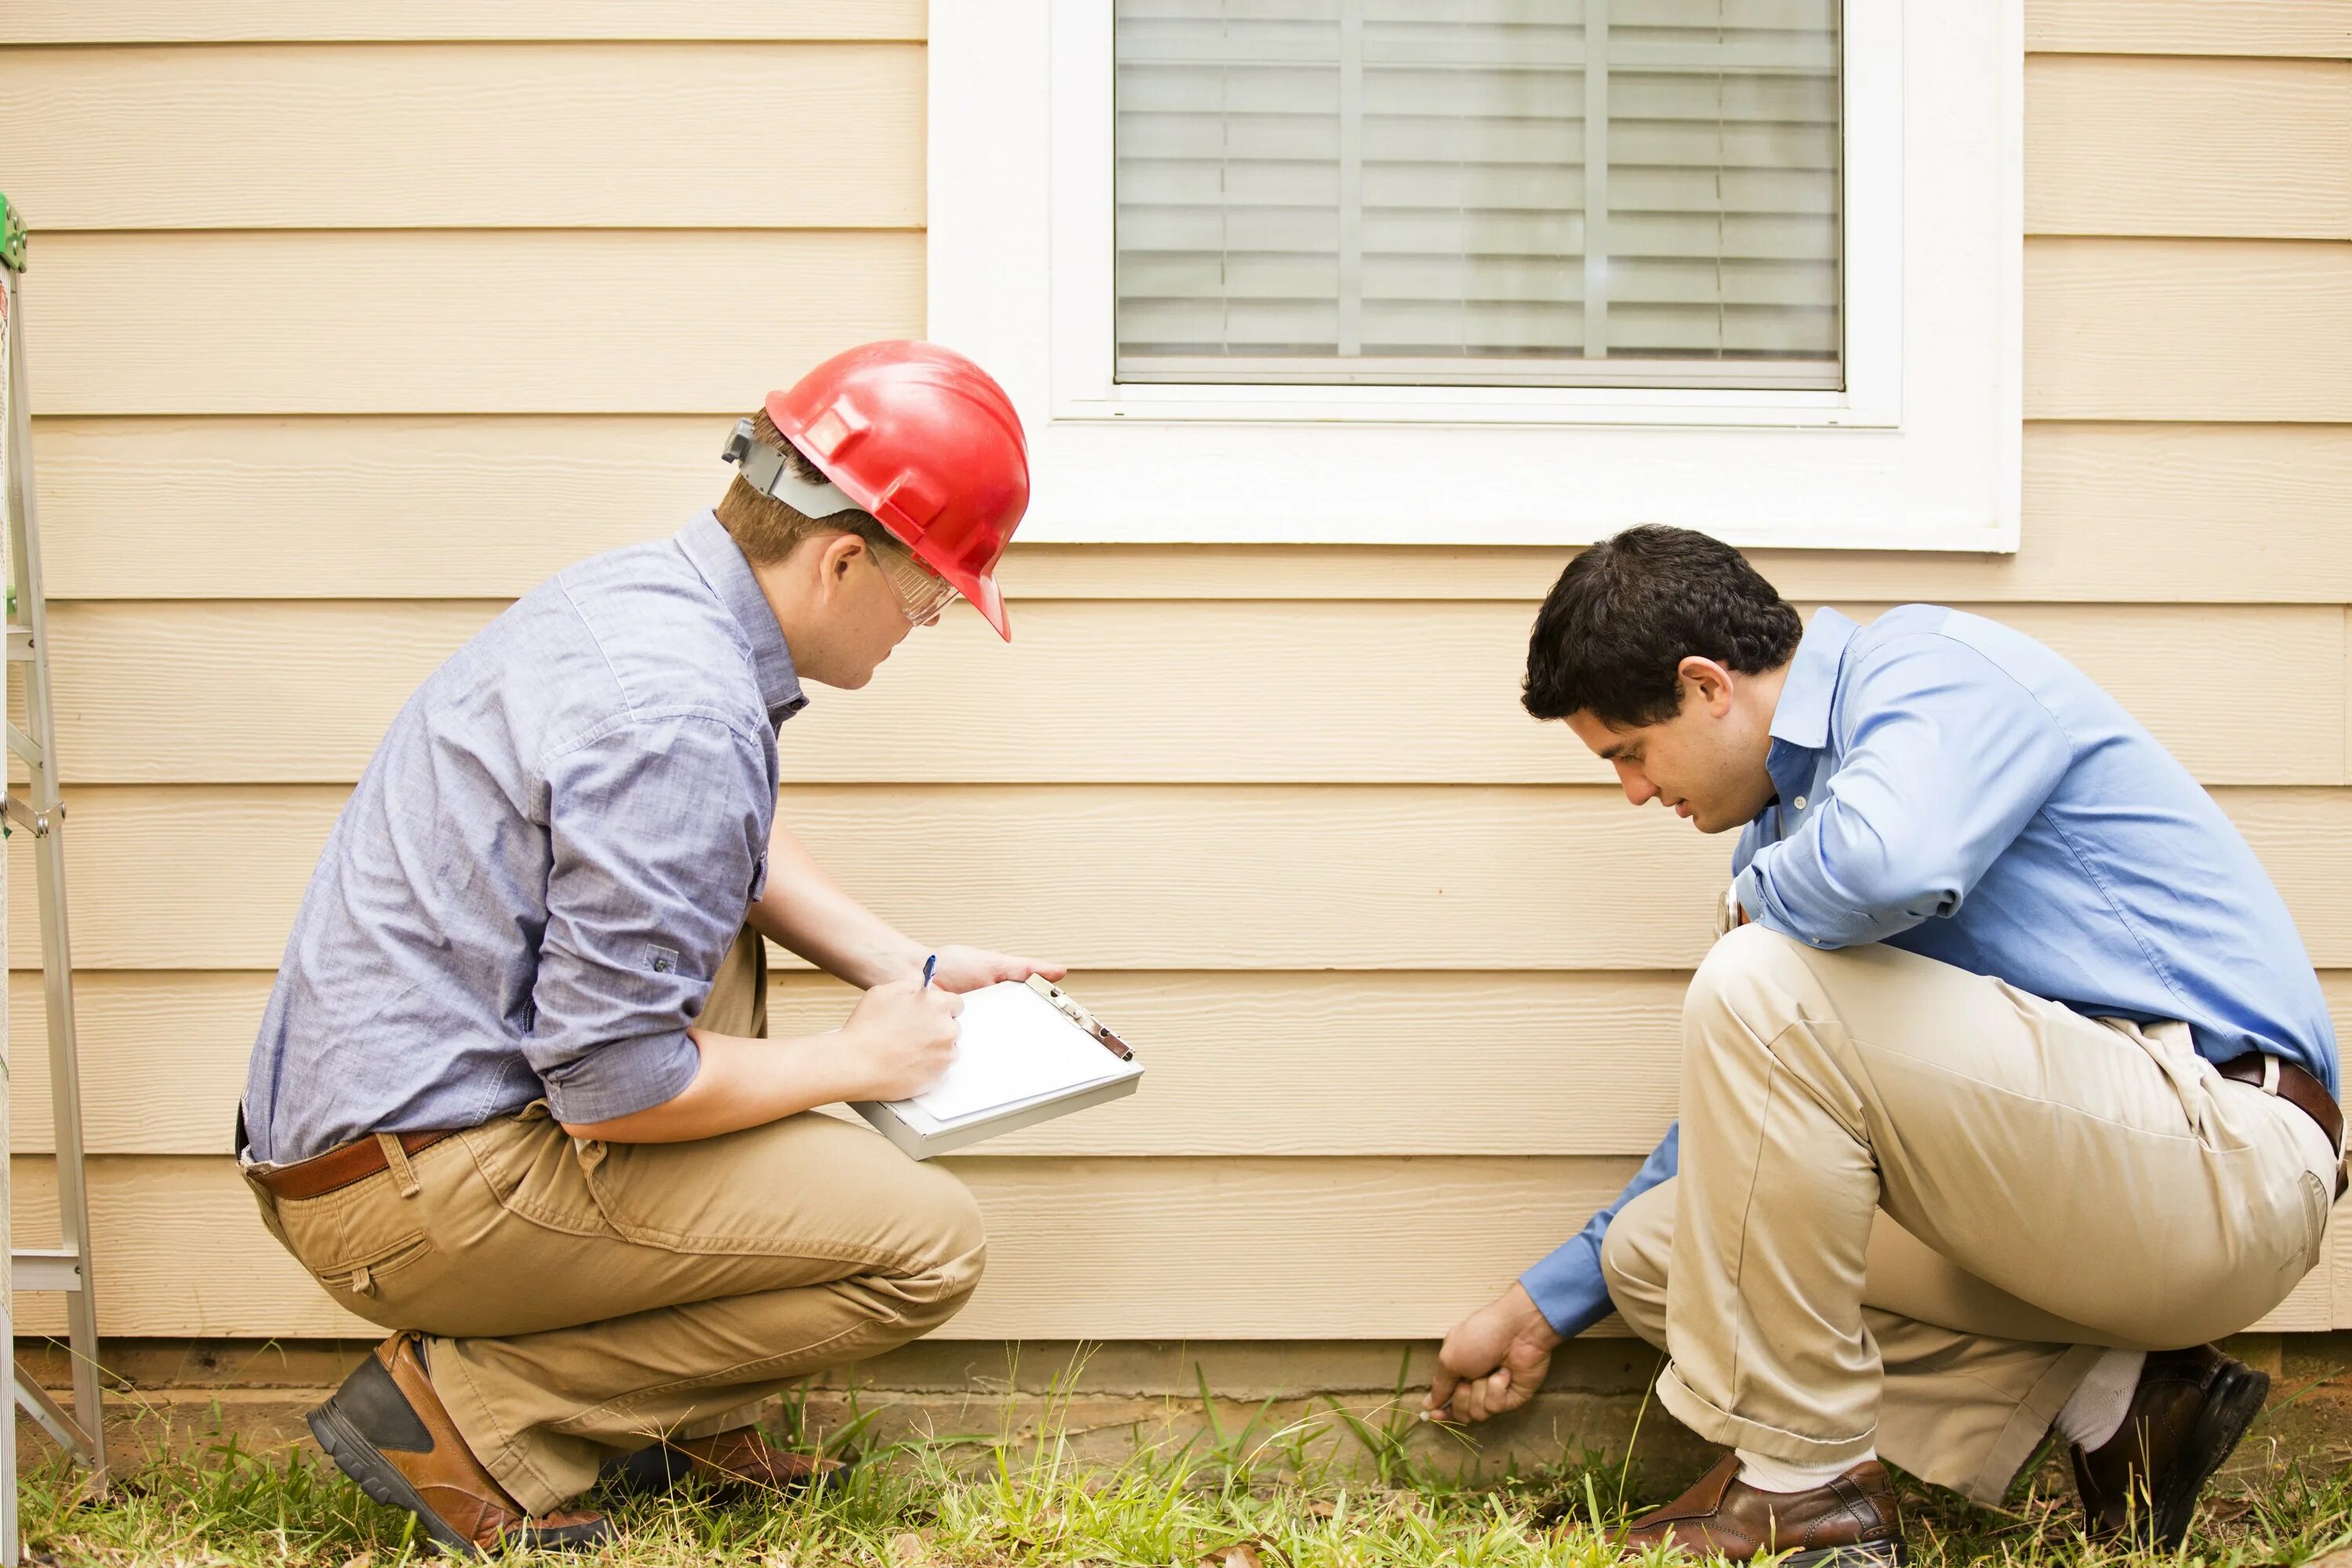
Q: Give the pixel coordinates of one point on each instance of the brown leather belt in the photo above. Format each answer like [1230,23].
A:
[322,1174]
[2300,1090]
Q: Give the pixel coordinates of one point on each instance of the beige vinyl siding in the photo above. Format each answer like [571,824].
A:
[2283,28]
[395,506]
[274,21]
[309,419]
[340,136]
[248,692]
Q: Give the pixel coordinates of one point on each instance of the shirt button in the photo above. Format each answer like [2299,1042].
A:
[1800,802]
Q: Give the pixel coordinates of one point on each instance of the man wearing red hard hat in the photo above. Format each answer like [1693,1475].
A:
[513,1097]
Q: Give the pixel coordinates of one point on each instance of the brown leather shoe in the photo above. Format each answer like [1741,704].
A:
[1852,1520]
[387,1430]
[2188,1413]
[739,1460]
[744,1457]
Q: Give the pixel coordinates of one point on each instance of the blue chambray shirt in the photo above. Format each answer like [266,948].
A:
[540,870]
[1951,787]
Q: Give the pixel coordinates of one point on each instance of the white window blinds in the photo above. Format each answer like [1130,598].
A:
[1479,191]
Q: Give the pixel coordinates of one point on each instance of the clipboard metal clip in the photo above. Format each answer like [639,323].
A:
[1063,1003]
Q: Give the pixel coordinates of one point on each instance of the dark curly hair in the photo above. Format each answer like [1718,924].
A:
[1628,611]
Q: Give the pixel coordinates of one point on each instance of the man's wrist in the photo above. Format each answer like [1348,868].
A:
[885,960]
[1532,1324]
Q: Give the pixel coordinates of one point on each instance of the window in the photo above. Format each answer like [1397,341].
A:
[1480,192]
[1491,271]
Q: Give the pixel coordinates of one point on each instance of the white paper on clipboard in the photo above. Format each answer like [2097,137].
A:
[1014,1046]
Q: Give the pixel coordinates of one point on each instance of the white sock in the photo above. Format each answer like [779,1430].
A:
[2099,1405]
[1771,1475]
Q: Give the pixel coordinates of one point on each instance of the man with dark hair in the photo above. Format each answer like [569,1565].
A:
[2006,1080]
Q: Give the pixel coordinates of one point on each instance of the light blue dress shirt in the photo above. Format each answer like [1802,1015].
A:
[530,890]
[1950,787]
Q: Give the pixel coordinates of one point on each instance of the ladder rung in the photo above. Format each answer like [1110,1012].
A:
[25,746]
[20,643]
[45,1269]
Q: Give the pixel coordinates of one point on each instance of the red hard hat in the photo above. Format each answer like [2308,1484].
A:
[926,442]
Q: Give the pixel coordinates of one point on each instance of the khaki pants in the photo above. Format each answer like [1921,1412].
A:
[583,1298]
[1914,1202]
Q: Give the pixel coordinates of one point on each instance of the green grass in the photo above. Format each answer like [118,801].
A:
[1335,1492]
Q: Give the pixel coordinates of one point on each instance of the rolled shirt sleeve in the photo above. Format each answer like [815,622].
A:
[1949,759]
[1567,1287]
[655,839]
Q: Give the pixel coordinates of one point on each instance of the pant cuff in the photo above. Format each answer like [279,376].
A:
[725,1421]
[471,1415]
[2028,1423]
[1719,1425]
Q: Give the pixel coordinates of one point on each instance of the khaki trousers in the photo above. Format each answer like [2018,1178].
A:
[1914,1203]
[583,1299]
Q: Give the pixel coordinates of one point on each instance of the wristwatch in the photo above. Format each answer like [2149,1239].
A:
[1728,915]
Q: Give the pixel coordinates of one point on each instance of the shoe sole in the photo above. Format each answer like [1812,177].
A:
[359,1460]
[2235,1400]
[1871,1554]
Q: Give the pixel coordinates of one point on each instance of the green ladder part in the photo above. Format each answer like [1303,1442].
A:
[12,236]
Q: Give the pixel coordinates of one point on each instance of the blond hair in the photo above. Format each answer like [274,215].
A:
[765,528]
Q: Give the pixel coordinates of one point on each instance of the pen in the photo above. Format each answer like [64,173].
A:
[930,966]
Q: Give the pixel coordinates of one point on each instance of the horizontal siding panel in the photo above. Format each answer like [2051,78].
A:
[604,136]
[454,322]
[1299,1064]
[2313,27]
[2321,28]
[301,692]
[701,323]
[1099,877]
[228,21]
[396,507]
[1141,877]
[2219,329]
[1100,1249]
[1227,1248]
[1241,1063]
[2254,148]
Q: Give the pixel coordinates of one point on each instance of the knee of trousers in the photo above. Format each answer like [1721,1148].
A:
[1745,989]
[941,1274]
[1634,1251]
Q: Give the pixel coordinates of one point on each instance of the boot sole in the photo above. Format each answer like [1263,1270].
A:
[2236,1399]
[1871,1554]
[359,1460]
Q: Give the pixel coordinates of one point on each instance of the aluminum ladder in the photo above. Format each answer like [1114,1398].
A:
[38,812]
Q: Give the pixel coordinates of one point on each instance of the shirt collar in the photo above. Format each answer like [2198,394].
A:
[715,554]
[1800,720]
[1801,717]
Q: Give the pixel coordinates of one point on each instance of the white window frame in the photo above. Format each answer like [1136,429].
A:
[1920,450]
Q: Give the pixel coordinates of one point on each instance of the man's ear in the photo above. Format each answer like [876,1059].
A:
[1710,683]
[837,556]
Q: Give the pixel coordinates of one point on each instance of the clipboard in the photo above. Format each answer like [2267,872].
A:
[1031,1053]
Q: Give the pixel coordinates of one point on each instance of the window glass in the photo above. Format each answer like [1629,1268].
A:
[1638,193]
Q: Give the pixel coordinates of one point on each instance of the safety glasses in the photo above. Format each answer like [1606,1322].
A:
[922,593]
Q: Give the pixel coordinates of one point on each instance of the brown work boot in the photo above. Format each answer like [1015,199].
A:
[387,1430]
[2188,1413]
[1852,1520]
